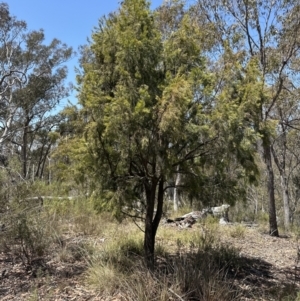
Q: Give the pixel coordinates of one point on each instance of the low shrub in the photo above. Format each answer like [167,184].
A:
[238,231]
[27,235]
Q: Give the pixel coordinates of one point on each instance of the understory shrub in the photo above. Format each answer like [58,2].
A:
[27,235]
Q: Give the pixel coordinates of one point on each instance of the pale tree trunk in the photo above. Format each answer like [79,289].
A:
[286,201]
[176,194]
[284,188]
[8,121]
[24,148]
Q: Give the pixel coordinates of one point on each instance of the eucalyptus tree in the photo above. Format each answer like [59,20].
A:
[292,170]
[36,100]
[11,74]
[285,154]
[32,83]
[268,32]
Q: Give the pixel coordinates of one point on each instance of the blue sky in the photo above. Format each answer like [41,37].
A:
[69,21]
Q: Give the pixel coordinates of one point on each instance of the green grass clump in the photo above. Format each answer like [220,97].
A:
[238,231]
[192,265]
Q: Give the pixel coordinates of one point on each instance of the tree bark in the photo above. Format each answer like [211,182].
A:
[271,191]
[176,195]
[24,151]
[284,187]
[286,201]
[151,224]
[8,121]
[42,162]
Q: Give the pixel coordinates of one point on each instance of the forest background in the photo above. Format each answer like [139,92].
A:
[187,104]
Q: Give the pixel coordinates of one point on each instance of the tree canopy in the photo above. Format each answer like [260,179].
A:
[150,111]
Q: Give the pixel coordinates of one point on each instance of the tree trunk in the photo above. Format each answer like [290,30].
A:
[151,224]
[44,159]
[24,152]
[284,182]
[40,162]
[271,191]
[286,201]
[8,123]
[149,242]
[176,195]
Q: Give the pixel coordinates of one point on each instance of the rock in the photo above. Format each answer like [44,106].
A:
[223,221]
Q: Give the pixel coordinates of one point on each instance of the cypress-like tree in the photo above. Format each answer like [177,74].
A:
[144,98]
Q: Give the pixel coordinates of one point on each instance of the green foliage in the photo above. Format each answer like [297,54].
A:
[238,232]
[211,220]
[142,101]
[147,100]
[32,75]
[239,105]
[149,110]
[26,235]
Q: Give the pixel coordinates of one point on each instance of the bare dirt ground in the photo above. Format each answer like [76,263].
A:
[269,270]
[270,265]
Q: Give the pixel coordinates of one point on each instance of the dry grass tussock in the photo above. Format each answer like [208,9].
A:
[65,250]
[191,267]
